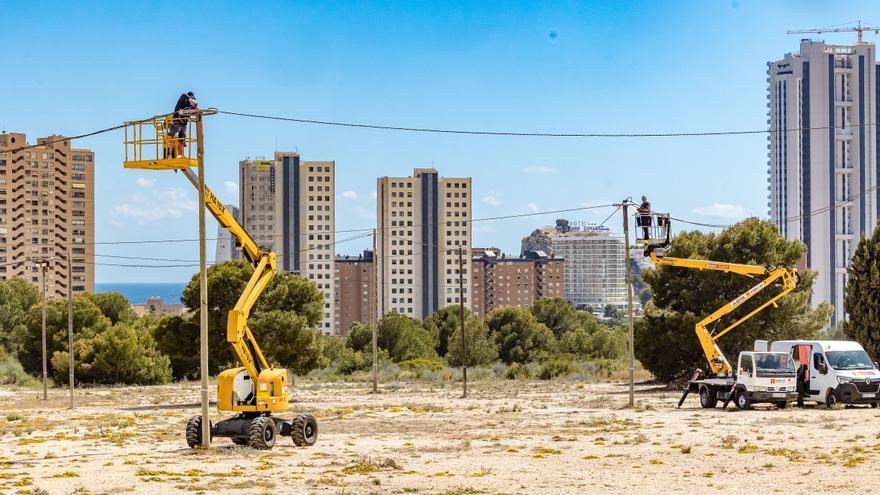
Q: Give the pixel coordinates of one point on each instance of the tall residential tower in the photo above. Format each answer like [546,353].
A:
[822,103]
[423,222]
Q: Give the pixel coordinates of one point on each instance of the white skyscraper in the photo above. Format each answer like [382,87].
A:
[225,243]
[823,155]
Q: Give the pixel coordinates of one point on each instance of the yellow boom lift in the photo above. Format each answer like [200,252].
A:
[723,383]
[254,390]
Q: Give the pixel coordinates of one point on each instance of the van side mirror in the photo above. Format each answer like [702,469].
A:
[823,368]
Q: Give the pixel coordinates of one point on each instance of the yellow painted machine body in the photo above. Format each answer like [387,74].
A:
[271,391]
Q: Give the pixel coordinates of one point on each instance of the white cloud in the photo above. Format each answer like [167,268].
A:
[491,200]
[373,194]
[540,170]
[350,194]
[146,182]
[157,205]
[722,210]
[231,186]
[532,206]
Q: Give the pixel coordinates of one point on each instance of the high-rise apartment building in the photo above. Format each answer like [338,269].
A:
[47,210]
[226,250]
[423,222]
[287,205]
[355,299]
[595,263]
[500,280]
[823,154]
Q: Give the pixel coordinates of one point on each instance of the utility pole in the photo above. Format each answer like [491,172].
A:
[464,356]
[44,262]
[373,320]
[203,285]
[70,323]
[629,306]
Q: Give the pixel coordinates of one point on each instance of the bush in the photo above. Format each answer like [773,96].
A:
[422,364]
[554,368]
[11,372]
[520,336]
[481,347]
[518,371]
[404,338]
[360,338]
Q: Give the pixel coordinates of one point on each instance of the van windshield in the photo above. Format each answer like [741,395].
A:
[774,363]
[849,360]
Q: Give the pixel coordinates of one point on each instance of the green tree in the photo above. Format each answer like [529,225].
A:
[290,338]
[17,296]
[481,347]
[556,313]
[665,341]
[442,324]
[113,305]
[360,338]
[404,338]
[178,338]
[863,295]
[520,336]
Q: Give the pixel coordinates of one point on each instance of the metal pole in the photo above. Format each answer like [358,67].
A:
[43,263]
[203,287]
[70,324]
[375,324]
[629,308]
[464,356]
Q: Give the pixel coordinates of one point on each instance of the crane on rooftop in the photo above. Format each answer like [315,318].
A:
[857,28]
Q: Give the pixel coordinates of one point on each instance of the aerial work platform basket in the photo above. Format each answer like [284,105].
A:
[164,142]
[653,229]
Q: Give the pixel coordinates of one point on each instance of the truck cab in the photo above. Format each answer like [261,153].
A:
[767,377]
[834,371]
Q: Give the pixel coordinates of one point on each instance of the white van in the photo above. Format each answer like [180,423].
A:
[836,371]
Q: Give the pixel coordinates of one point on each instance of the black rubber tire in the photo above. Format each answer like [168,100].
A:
[262,433]
[782,404]
[831,398]
[708,399]
[241,440]
[873,405]
[742,400]
[194,432]
[304,430]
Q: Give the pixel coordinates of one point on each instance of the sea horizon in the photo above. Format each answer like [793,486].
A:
[139,292]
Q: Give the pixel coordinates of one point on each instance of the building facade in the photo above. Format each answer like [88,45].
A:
[155,306]
[226,250]
[423,224]
[822,158]
[355,292]
[595,265]
[500,280]
[287,205]
[47,210]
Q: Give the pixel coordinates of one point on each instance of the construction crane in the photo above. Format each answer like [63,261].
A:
[858,28]
[656,228]
[256,389]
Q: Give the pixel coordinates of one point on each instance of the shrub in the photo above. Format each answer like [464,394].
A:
[481,347]
[518,371]
[11,372]
[422,364]
[520,336]
[554,368]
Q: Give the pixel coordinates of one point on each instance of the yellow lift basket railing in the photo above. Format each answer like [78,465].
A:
[150,145]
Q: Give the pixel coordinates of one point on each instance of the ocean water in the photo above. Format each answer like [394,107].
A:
[138,292]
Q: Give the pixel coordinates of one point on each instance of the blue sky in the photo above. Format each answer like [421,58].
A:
[530,66]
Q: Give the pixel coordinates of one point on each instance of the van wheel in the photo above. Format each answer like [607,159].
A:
[873,405]
[831,399]
[708,399]
[742,400]
[782,405]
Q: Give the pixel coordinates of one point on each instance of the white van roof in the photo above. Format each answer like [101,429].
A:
[825,345]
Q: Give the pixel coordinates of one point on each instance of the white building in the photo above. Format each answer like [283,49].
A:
[422,221]
[226,250]
[823,155]
[595,265]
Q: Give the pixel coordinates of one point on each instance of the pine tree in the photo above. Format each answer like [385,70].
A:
[863,295]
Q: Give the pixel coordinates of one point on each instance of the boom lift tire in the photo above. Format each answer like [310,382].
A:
[708,399]
[742,400]
[262,433]
[304,430]
[194,432]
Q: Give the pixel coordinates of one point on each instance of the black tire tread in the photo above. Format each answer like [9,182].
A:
[297,432]
[256,440]
[194,432]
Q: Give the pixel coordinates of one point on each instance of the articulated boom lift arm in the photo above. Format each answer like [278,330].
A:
[709,340]
[237,332]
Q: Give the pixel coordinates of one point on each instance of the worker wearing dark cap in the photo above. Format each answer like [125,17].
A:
[177,130]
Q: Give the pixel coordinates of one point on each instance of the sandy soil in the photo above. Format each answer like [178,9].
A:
[507,437]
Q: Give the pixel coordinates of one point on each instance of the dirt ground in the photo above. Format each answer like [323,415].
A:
[506,437]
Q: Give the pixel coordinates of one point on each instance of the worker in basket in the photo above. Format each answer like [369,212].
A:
[643,219]
[177,129]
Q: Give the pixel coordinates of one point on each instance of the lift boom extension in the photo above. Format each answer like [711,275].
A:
[709,340]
